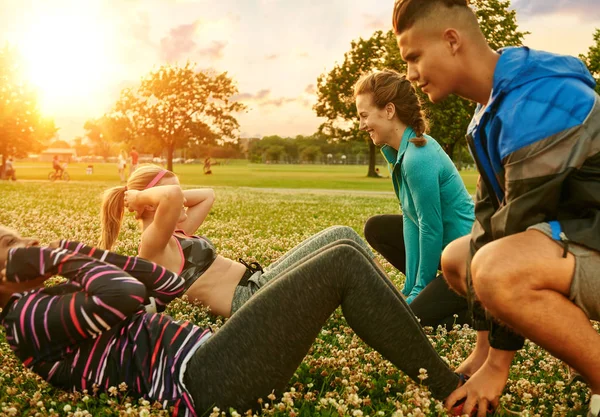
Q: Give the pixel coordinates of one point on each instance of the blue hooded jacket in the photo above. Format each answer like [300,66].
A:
[537,147]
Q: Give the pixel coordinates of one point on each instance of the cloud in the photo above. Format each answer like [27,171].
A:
[271,57]
[263,99]
[584,9]
[179,42]
[310,89]
[214,51]
[304,55]
[377,22]
[140,28]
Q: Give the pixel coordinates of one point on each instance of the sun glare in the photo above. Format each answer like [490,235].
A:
[67,55]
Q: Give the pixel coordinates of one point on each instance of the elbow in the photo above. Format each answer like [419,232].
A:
[210,195]
[173,196]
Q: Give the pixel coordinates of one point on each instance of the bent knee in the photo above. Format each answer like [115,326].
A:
[373,227]
[496,281]
[345,232]
[454,263]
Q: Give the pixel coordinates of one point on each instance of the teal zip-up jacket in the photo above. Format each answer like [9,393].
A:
[436,206]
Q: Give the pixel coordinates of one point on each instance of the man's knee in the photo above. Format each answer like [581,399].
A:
[454,263]
[498,282]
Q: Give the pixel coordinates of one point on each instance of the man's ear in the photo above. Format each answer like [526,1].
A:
[390,110]
[453,40]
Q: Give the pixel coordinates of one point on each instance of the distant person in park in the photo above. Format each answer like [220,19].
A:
[533,258]
[57,166]
[436,207]
[122,165]
[207,164]
[170,216]
[97,329]
[9,169]
[134,160]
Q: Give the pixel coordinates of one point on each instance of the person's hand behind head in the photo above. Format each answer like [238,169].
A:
[10,239]
[132,204]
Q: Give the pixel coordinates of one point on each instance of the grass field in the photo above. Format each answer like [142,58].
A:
[340,376]
[244,174]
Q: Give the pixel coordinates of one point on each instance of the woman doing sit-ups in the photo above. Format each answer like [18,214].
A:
[169,216]
[95,330]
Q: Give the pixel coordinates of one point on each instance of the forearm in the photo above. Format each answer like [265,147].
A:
[197,196]
[160,283]
[430,253]
[155,196]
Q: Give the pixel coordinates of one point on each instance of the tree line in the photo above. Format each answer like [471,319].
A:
[192,111]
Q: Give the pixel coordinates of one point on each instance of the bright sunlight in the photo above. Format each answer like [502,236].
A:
[67,53]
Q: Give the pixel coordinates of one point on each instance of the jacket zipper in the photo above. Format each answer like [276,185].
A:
[482,173]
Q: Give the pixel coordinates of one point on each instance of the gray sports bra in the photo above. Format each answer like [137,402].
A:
[197,253]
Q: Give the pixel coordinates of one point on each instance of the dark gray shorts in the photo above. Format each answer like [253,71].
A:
[585,288]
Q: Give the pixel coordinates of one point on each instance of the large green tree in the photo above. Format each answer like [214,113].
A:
[448,120]
[22,127]
[176,107]
[592,59]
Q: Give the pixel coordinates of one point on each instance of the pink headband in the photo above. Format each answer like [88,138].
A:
[156,179]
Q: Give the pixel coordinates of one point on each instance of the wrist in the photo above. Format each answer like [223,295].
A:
[500,359]
[482,345]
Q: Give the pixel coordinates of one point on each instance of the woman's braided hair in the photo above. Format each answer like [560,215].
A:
[389,86]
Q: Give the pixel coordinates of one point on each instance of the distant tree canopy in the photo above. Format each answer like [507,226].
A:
[592,59]
[316,148]
[176,107]
[448,120]
[22,127]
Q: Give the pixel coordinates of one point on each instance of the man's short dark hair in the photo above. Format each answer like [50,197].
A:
[408,12]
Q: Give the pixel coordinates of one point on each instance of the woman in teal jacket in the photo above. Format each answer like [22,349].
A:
[436,207]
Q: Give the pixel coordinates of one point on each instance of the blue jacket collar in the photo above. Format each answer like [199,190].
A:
[520,65]
[391,155]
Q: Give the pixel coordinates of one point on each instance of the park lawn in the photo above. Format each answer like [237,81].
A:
[340,376]
[241,173]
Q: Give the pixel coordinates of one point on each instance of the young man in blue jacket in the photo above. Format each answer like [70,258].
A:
[533,256]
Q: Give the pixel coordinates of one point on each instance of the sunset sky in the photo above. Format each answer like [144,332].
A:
[82,53]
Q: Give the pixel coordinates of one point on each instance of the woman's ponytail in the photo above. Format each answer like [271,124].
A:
[113,207]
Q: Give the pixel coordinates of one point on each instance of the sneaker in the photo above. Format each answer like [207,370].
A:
[594,410]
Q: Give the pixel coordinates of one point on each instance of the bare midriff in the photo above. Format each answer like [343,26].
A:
[216,285]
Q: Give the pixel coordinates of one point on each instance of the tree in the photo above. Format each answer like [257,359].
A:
[22,127]
[98,133]
[335,99]
[274,153]
[448,120]
[592,59]
[311,153]
[82,149]
[176,107]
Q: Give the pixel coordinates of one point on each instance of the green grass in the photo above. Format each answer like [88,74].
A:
[340,376]
[244,174]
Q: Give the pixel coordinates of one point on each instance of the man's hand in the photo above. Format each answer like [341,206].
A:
[484,388]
